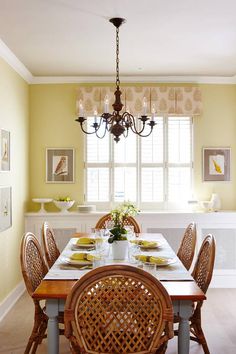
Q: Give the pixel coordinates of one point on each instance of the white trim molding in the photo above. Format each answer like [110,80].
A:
[227,80]
[15,63]
[7,304]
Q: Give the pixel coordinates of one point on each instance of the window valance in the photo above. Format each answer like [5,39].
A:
[167,99]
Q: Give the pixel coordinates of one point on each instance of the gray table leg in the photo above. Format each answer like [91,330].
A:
[184,309]
[52,310]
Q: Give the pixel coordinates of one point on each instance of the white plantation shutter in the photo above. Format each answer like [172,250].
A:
[179,140]
[179,162]
[152,184]
[98,184]
[154,171]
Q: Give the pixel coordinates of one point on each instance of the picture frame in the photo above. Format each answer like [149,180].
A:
[5,208]
[59,165]
[216,164]
[4,150]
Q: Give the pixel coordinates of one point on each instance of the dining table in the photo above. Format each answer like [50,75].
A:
[178,282]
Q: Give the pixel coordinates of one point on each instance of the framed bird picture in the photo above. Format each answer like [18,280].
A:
[60,165]
[216,164]
[4,150]
[5,208]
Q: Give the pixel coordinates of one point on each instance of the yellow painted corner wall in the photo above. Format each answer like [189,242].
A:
[216,128]
[14,106]
[52,114]
[52,117]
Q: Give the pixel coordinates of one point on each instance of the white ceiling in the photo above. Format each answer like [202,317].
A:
[160,37]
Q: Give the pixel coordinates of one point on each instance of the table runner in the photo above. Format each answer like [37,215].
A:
[173,272]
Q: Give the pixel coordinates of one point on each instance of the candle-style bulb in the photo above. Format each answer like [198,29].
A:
[95,115]
[81,109]
[106,104]
[153,111]
[144,106]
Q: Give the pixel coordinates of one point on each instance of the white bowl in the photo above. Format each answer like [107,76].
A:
[205,205]
[63,206]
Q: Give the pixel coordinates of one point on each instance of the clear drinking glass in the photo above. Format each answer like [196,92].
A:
[130,231]
[133,251]
[98,261]
[150,267]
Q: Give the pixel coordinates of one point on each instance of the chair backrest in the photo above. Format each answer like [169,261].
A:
[203,269]
[33,266]
[187,247]
[49,243]
[101,224]
[118,309]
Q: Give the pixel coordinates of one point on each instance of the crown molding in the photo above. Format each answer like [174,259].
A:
[15,63]
[20,68]
[135,79]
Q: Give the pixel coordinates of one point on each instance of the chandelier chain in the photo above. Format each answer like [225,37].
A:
[117,58]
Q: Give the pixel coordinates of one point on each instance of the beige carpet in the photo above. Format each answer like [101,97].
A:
[219,317]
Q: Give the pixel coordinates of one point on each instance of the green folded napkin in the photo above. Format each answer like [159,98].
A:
[151,259]
[83,256]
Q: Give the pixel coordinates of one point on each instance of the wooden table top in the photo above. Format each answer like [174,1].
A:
[178,290]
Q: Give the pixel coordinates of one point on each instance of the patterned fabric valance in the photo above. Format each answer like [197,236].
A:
[167,99]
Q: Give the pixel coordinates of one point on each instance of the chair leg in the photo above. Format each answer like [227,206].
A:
[32,337]
[200,337]
[162,349]
[37,334]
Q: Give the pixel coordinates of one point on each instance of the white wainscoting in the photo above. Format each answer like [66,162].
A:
[171,224]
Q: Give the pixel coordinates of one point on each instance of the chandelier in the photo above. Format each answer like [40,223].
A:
[118,123]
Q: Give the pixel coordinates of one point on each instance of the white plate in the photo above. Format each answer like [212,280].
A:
[168,261]
[83,246]
[81,262]
[158,245]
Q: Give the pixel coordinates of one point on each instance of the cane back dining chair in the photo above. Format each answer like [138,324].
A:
[118,309]
[49,243]
[187,246]
[34,269]
[202,274]
[129,221]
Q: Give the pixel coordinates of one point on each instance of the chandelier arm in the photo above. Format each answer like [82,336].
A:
[104,133]
[85,131]
[95,125]
[146,135]
[126,133]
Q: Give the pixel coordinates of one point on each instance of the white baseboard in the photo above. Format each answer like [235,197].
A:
[11,299]
[223,281]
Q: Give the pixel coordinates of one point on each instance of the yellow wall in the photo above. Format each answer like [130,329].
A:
[14,117]
[52,116]
[216,128]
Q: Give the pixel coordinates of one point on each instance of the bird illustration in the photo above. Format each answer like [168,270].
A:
[217,166]
[5,151]
[61,167]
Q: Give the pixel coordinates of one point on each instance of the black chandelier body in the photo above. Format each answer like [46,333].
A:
[117,123]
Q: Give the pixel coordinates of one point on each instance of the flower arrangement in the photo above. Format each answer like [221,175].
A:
[118,216]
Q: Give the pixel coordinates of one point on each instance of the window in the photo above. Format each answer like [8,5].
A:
[154,172]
